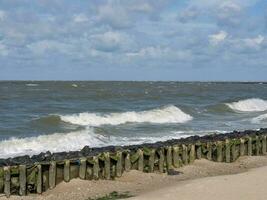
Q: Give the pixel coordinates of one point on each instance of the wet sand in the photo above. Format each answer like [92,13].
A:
[244,179]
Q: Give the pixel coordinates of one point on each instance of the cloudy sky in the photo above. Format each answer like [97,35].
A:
[133,40]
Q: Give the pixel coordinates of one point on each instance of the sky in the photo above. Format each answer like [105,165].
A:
[185,40]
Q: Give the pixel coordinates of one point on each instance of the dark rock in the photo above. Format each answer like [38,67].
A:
[173,172]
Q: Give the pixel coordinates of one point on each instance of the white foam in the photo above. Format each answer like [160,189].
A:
[32,84]
[249,105]
[168,114]
[260,119]
[72,141]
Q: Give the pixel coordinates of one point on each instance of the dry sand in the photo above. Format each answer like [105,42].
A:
[245,179]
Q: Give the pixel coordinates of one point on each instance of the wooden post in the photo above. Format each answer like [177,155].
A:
[127,162]
[161,160]
[22,180]
[141,160]
[263,144]
[107,165]
[96,168]
[227,151]
[39,179]
[67,171]
[7,179]
[152,160]
[176,157]
[209,149]
[198,150]
[52,174]
[119,164]
[219,151]
[192,154]
[249,146]
[242,147]
[169,157]
[184,154]
[82,169]
[233,150]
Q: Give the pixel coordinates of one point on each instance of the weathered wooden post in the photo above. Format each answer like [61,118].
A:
[7,179]
[127,162]
[249,146]
[192,153]
[184,154]
[52,174]
[119,164]
[107,165]
[242,146]
[22,180]
[161,160]
[257,152]
[67,171]
[140,160]
[264,145]
[227,151]
[39,180]
[198,150]
[96,168]
[82,169]
[209,151]
[169,157]
[151,160]
[219,151]
[233,150]
[176,157]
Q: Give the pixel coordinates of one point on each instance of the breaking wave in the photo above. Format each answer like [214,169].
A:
[260,119]
[249,105]
[73,141]
[168,114]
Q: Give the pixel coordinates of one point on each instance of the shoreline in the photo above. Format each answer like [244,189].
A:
[145,185]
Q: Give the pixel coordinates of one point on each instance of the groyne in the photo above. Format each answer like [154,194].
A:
[23,175]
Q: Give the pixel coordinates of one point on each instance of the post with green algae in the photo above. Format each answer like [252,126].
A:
[52,174]
[140,160]
[119,164]
[242,147]
[227,151]
[192,154]
[176,157]
[95,168]
[249,146]
[198,150]
[151,161]
[22,180]
[127,162]
[82,169]
[67,171]
[39,179]
[209,151]
[161,160]
[169,158]
[258,145]
[107,165]
[233,150]
[7,180]
[184,154]
[263,145]
[219,153]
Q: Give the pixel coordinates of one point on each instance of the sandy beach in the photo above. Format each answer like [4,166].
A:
[244,179]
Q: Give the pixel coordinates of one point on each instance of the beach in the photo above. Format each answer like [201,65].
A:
[243,179]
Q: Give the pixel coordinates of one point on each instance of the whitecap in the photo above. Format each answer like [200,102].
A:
[249,105]
[259,119]
[168,114]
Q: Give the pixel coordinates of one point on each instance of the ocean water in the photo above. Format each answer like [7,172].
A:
[64,116]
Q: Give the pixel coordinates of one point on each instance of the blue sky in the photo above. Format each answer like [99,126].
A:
[133,40]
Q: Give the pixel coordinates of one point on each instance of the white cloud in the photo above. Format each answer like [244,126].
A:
[254,42]
[109,41]
[217,38]
[2,15]
[79,18]
[3,50]
[44,46]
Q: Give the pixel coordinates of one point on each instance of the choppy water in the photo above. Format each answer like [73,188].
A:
[63,116]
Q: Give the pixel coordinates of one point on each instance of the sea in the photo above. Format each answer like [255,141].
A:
[56,116]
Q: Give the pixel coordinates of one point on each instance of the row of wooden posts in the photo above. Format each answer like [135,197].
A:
[37,178]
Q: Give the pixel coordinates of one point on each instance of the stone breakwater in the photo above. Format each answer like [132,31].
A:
[23,175]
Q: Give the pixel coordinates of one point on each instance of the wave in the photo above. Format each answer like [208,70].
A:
[249,105]
[32,84]
[168,114]
[260,119]
[76,140]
